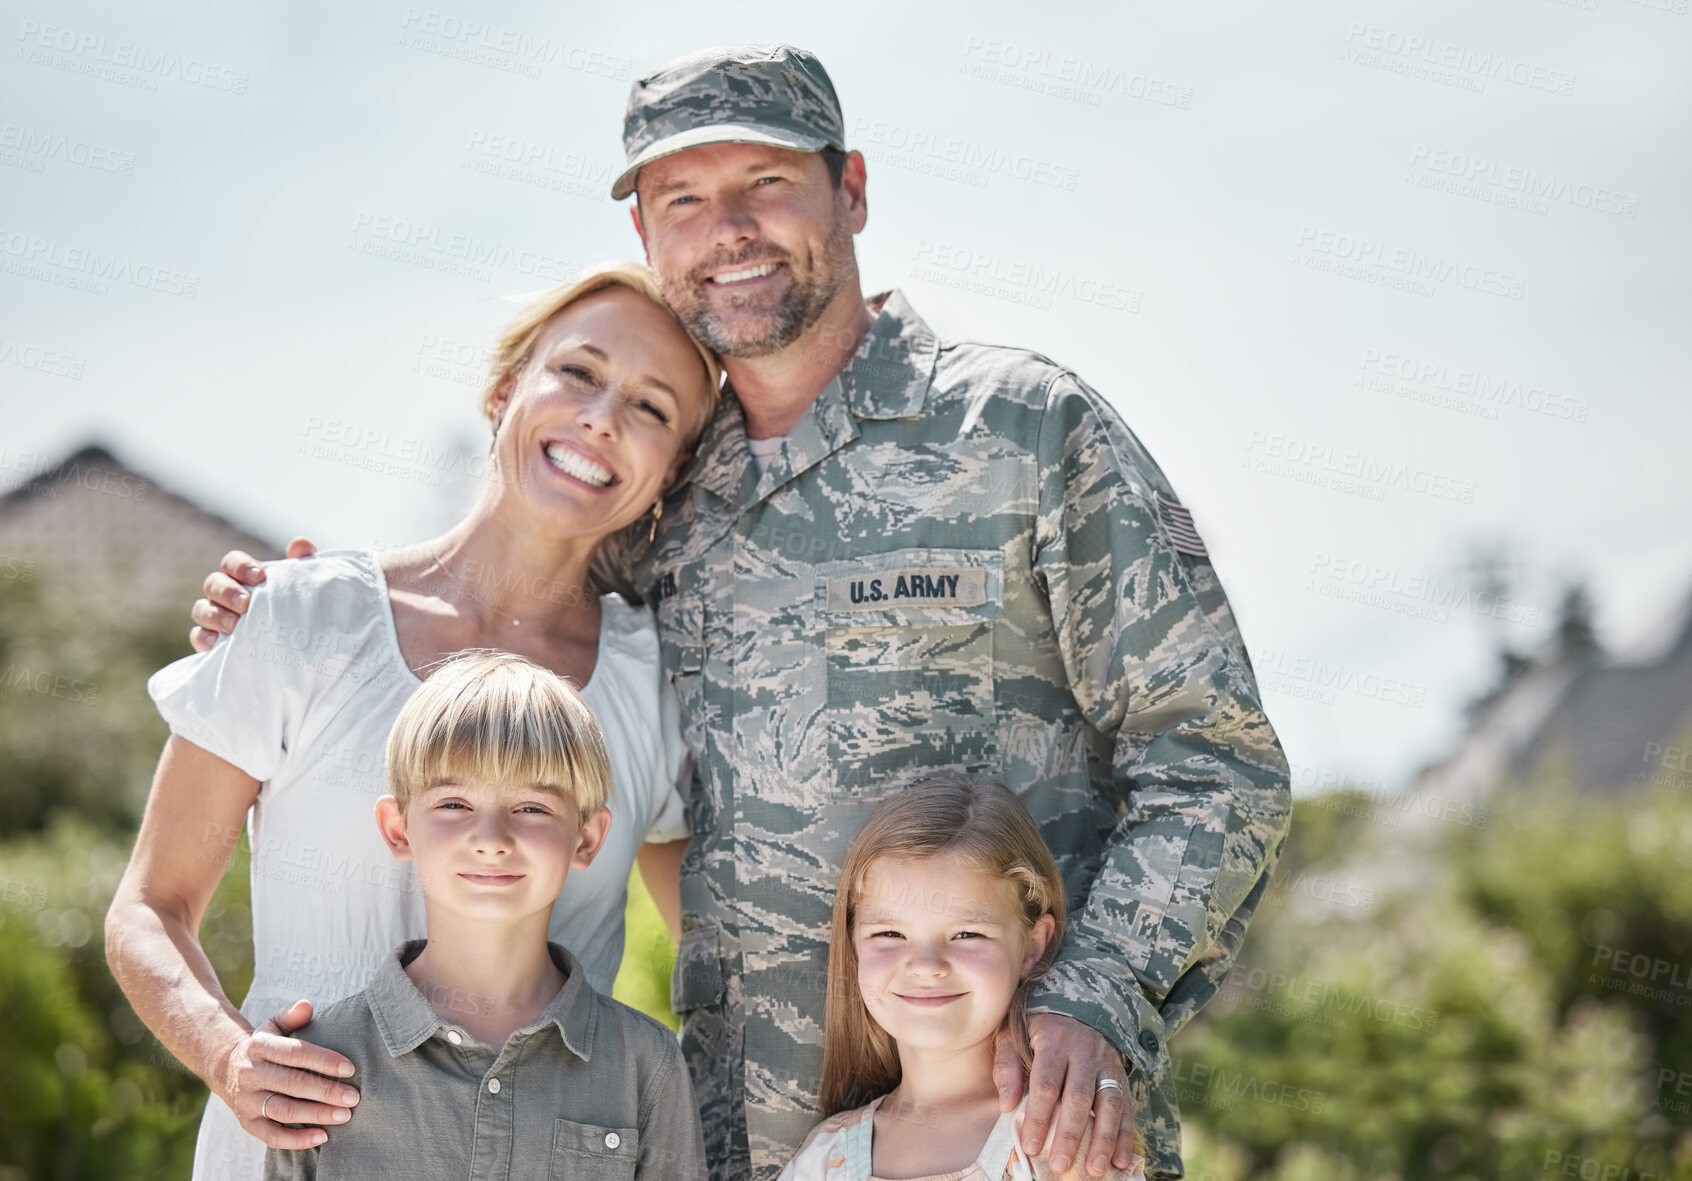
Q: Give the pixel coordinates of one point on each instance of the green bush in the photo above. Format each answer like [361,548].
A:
[649,954]
[88,1093]
[1427,1011]
[78,733]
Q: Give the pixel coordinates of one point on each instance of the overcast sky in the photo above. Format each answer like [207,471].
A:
[1377,283]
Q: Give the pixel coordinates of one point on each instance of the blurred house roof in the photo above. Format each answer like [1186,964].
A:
[1603,723]
[101,530]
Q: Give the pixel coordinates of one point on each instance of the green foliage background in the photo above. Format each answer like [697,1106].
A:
[1417,998]
[1484,1013]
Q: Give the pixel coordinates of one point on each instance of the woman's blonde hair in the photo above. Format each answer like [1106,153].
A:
[497,718]
[517,343]
[947,813]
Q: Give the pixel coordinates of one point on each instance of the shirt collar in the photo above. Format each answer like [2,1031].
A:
[724,461]
[888,377]
[407,1020]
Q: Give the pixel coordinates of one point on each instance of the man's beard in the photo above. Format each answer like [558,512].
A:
[799,307]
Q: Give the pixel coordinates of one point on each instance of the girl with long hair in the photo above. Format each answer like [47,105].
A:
[949,909]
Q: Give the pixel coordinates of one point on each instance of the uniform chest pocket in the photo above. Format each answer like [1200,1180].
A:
[909,639]
[587,1152]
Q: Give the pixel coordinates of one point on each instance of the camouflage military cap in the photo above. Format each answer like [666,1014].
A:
[758,94]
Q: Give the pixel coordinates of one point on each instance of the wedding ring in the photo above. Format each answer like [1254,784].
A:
[1107,1084]
[268,1097]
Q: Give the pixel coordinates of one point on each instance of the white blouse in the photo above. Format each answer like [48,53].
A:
[301,697]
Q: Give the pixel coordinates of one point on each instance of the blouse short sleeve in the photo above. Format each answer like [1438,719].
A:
[246,700]
[233,700]
[673,772]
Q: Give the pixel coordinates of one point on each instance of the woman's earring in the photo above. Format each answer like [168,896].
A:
[657,511]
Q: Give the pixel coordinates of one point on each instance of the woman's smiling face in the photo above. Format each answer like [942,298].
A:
[594,426]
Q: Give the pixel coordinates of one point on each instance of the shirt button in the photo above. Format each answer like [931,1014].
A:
[612,1140]
[455,1037]
[493,1086]
[1148,1040]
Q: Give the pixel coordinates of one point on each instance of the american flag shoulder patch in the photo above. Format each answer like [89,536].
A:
[1179,523]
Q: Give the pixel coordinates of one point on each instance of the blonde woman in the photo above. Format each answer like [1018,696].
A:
[597,397]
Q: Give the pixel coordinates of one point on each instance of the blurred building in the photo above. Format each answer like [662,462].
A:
[93,527]
[1597,721]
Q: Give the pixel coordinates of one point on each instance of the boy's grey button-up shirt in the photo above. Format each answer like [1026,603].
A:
[591,1090]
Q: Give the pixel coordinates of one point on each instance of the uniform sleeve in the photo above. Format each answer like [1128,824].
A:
[1156,663]
[672,1145]
[243,700]
[673,772]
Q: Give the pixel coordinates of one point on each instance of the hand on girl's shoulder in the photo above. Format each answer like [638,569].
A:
[1078,1172]
[1042,1168]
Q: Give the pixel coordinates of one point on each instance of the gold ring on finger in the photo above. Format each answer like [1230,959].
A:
[1107,1084]
[269,1095]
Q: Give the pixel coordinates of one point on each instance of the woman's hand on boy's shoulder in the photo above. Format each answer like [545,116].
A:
[270,1079]
[226,595]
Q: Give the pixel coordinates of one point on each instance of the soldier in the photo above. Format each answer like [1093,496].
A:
[900,554]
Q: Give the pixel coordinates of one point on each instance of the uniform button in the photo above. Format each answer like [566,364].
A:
[493,1086]
[455,1037]
[1148,1040]
[612,1140]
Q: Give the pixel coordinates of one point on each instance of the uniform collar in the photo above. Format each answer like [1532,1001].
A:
[888,377]
[407,1020]
[723,462]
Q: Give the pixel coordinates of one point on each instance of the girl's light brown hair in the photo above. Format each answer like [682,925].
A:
[948,813]
[517,343]
[500,719]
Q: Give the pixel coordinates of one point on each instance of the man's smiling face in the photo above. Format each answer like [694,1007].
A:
[751,243]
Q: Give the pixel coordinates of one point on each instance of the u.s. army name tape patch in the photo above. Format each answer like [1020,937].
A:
[1179,522]
[916,586]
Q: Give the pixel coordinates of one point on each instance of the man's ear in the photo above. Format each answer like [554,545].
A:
[1038,940]
[634,216]
[590,839]
[390,820]
[854,187]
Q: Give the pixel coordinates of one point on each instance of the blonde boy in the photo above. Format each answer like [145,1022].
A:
[482,1050]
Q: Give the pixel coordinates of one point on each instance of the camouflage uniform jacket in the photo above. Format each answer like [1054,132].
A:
[962,560]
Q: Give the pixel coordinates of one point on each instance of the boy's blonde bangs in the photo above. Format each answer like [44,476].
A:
[497,718]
